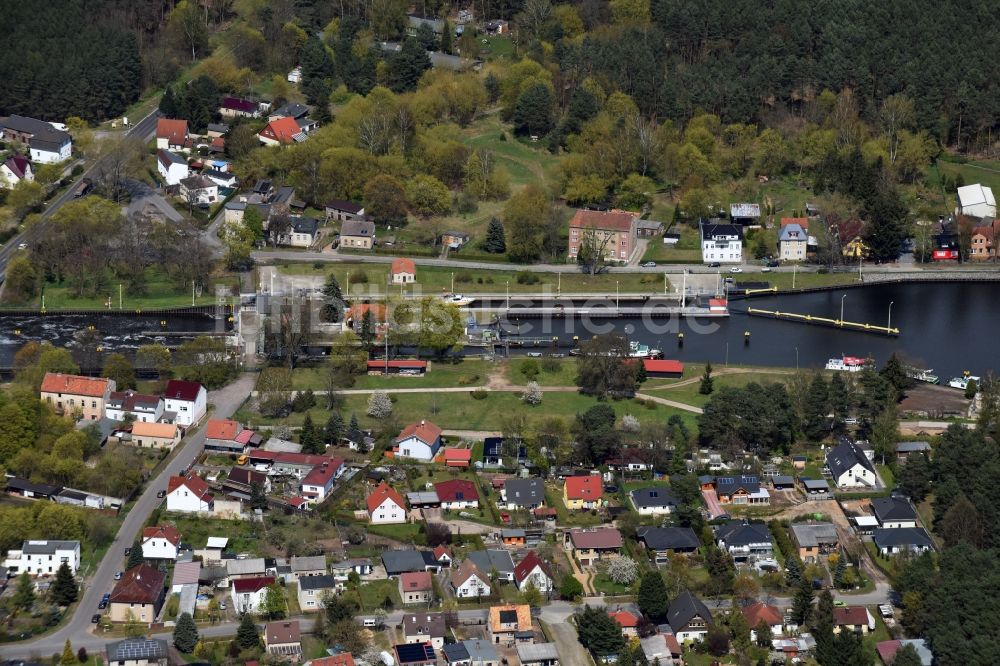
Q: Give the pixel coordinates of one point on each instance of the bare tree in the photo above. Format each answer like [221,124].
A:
[592,253]
[121,159]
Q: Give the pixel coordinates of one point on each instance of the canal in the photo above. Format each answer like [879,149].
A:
[949,327]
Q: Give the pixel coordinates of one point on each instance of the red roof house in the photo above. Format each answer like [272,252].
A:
[280,131]
[457,494]
[629,622]
[583,492]
[457,457]
[171,133]
[657,367]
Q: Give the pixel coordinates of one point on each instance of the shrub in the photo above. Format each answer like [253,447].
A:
[527,277]
[529,368]
[358,276]
[464,277]
[479,394]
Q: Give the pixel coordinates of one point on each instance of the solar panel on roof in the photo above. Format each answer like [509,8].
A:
[508,616]
[415,652]
[134,649]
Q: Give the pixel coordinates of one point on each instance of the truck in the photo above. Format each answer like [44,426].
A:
[82,188]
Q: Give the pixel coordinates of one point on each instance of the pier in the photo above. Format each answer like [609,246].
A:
[605,311]
[824,321]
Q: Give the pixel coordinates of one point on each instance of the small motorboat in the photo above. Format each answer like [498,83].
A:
[847,364]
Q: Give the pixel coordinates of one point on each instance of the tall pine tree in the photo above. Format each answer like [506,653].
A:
[496,237]
[334,428]
[64,589]
[186,634]
[652,596]
[246,634]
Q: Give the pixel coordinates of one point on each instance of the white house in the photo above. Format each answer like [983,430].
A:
[43,558]
[386,506]
[188,400]
[901,540]
[652,501]
[469,582]
[793,239]
[46,143]
[189,494]
[295,75]
[142,408]
[721,243]
[849,466]
[531,570]
[319,482]
[312,589]
[894,512]
[248,593]
[172,167]
[16,169]
[976,201]
[199,190]
[419,441]
[302,232]
[160,542]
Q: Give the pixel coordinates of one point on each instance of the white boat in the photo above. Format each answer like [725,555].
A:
[847,364]
[963,381]
[639,350]
[457,299]
[923,375]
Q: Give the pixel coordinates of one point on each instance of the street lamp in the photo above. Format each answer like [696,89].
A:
[796,359]
[617,297]
[889,325]
[508,294]
[842,309]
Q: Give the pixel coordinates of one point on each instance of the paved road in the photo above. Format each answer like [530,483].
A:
[144,129]
[78,629]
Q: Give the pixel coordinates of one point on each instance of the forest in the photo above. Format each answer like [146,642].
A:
[99,81]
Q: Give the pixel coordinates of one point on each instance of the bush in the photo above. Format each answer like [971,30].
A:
[479,394]
[304,401]
[529,368]
[464,277]
[465,203]
[550,364]
[359,276]
[527,277]
[466,381]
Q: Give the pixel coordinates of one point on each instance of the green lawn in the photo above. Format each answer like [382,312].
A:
[459,411]
[525,161]
[605,585]
[432,280]
[496,47]
[469,372]
[553,498]
[160,293]
[690,394]
[373,594]
[405,532]
[988,175]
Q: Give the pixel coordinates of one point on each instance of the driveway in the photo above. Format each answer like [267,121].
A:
[568,644]
[78,629]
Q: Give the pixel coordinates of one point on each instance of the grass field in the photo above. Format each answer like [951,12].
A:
[433,280]
[440,374]
[160,293]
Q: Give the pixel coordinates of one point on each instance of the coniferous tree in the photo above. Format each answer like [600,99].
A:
[307,436]
[446,38]
[496,238]
[334,428]
[802,602]
[816,408]
[354,421]
[652,598]
[367,334]
[24,595]
[67,658]
[707,383]
[185,634]
[64,589]
[168,103]
[246,634]
[134,556]
[333,300]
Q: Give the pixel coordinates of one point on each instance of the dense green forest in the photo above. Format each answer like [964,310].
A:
[66,58]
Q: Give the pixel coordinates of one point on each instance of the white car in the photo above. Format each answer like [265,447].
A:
[735,269]
[22,246]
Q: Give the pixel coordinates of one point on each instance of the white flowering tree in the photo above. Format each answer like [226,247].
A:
[533,395]
[630,423]
[623,570]
[379,405]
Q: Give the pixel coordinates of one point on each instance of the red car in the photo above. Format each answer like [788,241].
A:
[505,517]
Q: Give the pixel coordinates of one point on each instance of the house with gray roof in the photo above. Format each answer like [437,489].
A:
[746,542]
[814,539]
[46,144]
[246,568]
[311,565]
[402,561]
[666,540]
[652,501]
[137,652]
[688,617]
[905,449]
[902,539]
[473,652]
[538,654]
[894,512]
[357,234]
[43,557]
[850,466]
[312,589]
[522,494]
[425,628]
[494,560]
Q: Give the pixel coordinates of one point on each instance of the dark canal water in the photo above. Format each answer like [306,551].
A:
[949,327]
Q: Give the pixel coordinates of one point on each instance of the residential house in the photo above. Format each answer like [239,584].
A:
[894,512]
[414,23]
[853,618]
[897,540]
[494,562]
[76,395]
[248,593]
[591,545]
[652,501]
[385,506]
[398,562]
[583,492]
[661,647]
[513,537]
[188,400]
[312,590]
[741,490]
[403,271]
[341,211]
[43,557]
[721,243]
[281,131]
[233,107]
[199,190]
[228,436]
[137,652]
[468,581]
[522,494]
[688,617]
[793,238]
[538,654]
[221,178]
[172,167]
[631,459]
[138,595]
[454,239]
[472,652]
[456,494]
[458,457]
[510,625]
[15,169]
[744,213]
[216,130]
[611,232]
[358,234]
[627,621]
[302,232]
[887,650]
[342,570]
[189,494]
[46,144]
[416,587]
[137,406]
[814,539]
[850,236]
[414,654]
[318,483]
[976,200]
[533,571]
[663,541]
[766,613]
[984,241]
[493,452]
[425,628]
[172,134]
[160,542]
[905,449]
[283,639]
[306,566]
[419,441]
[850,466]
[648,228]
[155,435]
[746,542]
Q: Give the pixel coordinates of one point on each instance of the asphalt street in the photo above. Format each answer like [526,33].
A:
[78,629]
[144,129]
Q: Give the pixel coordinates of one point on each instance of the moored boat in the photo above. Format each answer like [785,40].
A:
[847,364]
[962,382]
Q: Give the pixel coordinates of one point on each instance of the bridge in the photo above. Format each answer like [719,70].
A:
[824,321]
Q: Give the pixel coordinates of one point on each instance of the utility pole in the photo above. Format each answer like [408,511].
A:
[684,288]
[192,293]
[889,325]
[842,309]
[795,268]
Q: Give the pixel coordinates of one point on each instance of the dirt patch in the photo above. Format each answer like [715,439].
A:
[929,401]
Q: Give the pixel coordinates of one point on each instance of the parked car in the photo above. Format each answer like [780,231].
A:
[766,269]
[161,494]
[735,269]
[715,264]
[118,575]
[128,551]
[649,264]
[105,600]
[773,263]
[96,618]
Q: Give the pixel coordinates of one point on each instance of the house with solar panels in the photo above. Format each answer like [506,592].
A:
[137,652]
